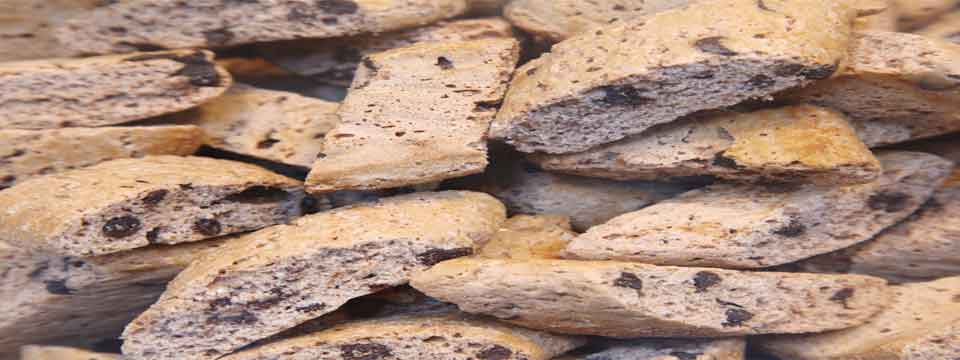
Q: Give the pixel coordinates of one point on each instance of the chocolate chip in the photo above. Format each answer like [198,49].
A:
[435,256]
[366,351]
[531,71]
[820,72]
[7,181]
[793,229]
[761,81]
[258,195]
[721,160]
[842,295]
[58,287]
[736,317]
[889,201]
[218,37]
[763,6]
[153,234]
[201,74]
[337,7]
[267,143]
[685,355]
[444,63]
[624,95]
[791,69]
[714,45]
[154,197]
[208,227]
[629,280]
[703,280]
[121,227]
[312,307]
[494,352]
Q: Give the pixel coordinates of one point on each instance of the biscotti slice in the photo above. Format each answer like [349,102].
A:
[37,352]
[915,14]
[620,80]
[416,115]
[335,60]
[530,237]
[804,144]
[665,349]
[557,20]
[897,87]
[746,226]
[917,310]
[30,153]
[63,299]
[276,278]
[947,28]
[273,125]
[129,203]
[26,27]
[106,90]
[452,336]
[123,26]
[617,299]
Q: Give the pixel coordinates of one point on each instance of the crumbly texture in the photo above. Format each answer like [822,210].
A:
[123,26]
[29,153]
[946,28]
[924,247]
[26,27]
[940,344]
[106,90]
[36,352]
[279,126]
[742,226]
[62,299]
[716,349]
[620,80]
[130,203]
[530,237]
[335,61]
[453,336]
[803,144]
[899,332]
[557,20]
[263,283]
[897,87]
[915,14]
[415,115]
[617,299]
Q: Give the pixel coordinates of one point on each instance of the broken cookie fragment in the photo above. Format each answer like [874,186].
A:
[416,115]
[743,226]
[129,203]
[557,20]
[268,281]
[618,299]
[803,144]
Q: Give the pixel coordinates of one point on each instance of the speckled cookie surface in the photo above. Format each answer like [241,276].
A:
[26,27]
[557,20]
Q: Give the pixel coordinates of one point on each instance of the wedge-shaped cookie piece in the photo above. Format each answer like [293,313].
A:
[26,27]
[415,115]
[915,14]
[742,226]
[897,87]
[947,28]
[62,299]
[530,237]
[273,125]
[663,349]
[453,336]
[617,81]
[918,310]
[276,278]
[36,352]
[804,144]
[106,90]
[618,299]
[124,26]
[29,153]
[129,203]
[556,20]
[335,60]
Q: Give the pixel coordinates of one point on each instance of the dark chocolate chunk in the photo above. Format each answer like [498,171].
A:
[629,280]
[793,229]
[624,95]
[721,160]
[495,352]
[121,227]
[444,63]
[820,72]
[58,287]
[790,69]
[154,197]
[312,307]
[763,6]
[7,181]
[337,7]
[208,227]
[435,256]
[703,280]
[258,195]
[736,317]
[842,295]
[267,143]
[365,351]
[153,234]
[714,45]
[889,201]
[201,74]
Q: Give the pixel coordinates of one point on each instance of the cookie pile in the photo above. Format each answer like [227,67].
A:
[480,179]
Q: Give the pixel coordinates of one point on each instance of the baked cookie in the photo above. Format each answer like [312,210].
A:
[450,336]
[947,28]
[30,153]
[123,26]
[26,27]
[62,299]
[663,349]
[803,144]
[130,203]
[335,60]
[415,115]
[915,14]
[899,332]
[620,80]
[530,237]
[745,226]
[263,283]
[106,90]
[897,87]
[272,125]
[557,20]
[617,299]
[37,352]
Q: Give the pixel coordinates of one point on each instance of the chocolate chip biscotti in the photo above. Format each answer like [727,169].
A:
[29,153]
[123,26]
[619,299]
[263,283]
[620,80]
[130,203]
[106,90]
[742,226]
